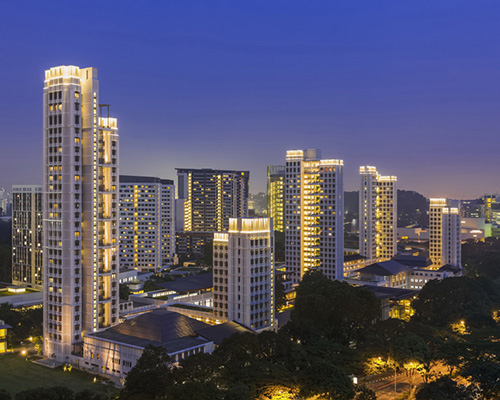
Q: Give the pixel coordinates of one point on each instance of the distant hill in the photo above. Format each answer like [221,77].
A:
[412,207]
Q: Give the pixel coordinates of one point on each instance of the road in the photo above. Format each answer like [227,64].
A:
[384,386]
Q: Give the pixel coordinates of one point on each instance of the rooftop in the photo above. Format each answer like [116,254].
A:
[189,284]
[450,268]
[144,179]
[217,333]
[159,327]
[391,293]
[385,268]
[412,261]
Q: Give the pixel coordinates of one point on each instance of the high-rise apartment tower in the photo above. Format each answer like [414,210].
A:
[314,214]
[211,197]
[377,215]
[27,236]
[275,197]
[488,200]
[80,211]
[244,273]
[147,238]
[445,244]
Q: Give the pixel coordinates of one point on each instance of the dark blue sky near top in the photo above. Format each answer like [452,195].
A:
[411,87]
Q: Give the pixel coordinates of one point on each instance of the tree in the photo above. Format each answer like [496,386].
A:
[238,391]
[25,323]
[444,302]
[277,392]
[150,375]
[4,395]
[327,381]
[444,389]
[363,393]
[194,391]
[124,292]
[52,393]
[151,285]
[279,296]
[482,258]
[450,352]
[487,376]
[333,309]
[86,395]
[412,354]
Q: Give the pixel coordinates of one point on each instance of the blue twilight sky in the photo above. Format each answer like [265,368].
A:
[412,87]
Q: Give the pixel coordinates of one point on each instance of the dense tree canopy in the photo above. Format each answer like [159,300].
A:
[332,309]
[150,375]
[445,389]
[334,331]
[451,300]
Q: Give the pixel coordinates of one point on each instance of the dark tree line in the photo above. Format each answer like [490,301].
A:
[335,331]
[309,357]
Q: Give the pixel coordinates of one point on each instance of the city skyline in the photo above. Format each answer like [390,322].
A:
[408,88]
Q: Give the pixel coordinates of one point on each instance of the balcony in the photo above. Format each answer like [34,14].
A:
[103,298]
[104,189]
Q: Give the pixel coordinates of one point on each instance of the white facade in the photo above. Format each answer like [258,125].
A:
[80,211]
[244,273]
[445,243]
[147,238]
[314,214]
[27,243]
[377,215]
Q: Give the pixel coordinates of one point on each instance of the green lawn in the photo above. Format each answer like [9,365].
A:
[17,374]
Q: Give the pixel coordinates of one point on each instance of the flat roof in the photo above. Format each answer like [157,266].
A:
[190,283]
[144,179]
[385,268]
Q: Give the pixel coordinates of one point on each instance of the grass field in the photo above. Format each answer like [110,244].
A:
[17,374]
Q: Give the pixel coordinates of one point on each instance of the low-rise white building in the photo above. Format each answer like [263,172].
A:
[394,274]
[114,352]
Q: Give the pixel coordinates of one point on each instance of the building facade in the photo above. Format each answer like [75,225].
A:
[314,214]
[244,273]
[147,237]
[80,211]
[275,195]
[377,215]
[445,244]
[210,197]
[27,224]
[488,200]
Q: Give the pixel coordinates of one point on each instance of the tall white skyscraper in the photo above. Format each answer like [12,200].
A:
[445,243]
[80,211]
[27,236]
[314,214]
[244,273]
[147,238]
[377,215]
